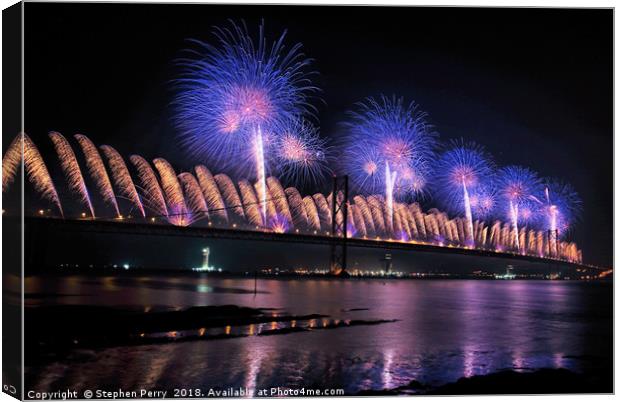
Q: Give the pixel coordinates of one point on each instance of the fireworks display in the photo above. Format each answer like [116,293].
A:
[250,201]
[388,135]
[241,98]
[11,162]
[279,224]
[518,187]
[97,170]
[483,201]
[218,200]
[464,176]
[177,210]
[389,147]
[242,105]
[152,194]
[301,154]
[560,206]
[35,168]
[38,174]
[213,197]
[121,177]
[195,198]
[71,168]
[229,193]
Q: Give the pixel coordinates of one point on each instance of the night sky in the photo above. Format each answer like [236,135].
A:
[532,85]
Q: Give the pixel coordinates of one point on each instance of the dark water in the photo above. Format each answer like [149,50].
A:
[448,329]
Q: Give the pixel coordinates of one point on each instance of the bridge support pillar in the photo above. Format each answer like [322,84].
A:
[340,197]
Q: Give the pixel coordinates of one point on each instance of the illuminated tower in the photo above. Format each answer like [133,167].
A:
[387,260]
[205,255]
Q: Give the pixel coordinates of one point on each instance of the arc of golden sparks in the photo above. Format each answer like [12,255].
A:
[212,194]
[97,170]
[177,210]
[195,198]
[121,177]
[71,168]
[35,168]
[152,190]
[11,161]
[250,201]
[229,193]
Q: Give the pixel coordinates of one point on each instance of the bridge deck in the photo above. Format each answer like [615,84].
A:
[49,225]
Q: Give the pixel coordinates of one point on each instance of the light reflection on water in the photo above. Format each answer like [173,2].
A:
[447,329]
[388,360]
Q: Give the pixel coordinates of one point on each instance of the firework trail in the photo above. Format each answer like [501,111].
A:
[212,194]
[97,170]
[11,161]
[229,93]
[271,207]
[35,169]
[301,154]
[465,174]
[71,168]
[177,210]
[195,198]
[388,132]
[517,187]
[152,190]
[121,177]
[259,157]
[390,181]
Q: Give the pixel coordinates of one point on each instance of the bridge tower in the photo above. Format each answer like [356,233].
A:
[340,197]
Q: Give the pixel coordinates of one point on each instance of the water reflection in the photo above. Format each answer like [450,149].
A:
[253,364]
[388,356]
[447,329]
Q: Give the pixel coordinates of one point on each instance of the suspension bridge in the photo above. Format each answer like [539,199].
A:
[38,229]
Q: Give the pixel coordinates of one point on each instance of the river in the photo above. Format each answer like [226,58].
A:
[445,330]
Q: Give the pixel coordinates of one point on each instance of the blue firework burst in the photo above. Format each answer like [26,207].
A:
[518,188]
[560,206]
[463,171]
[388,132]
[228,90]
